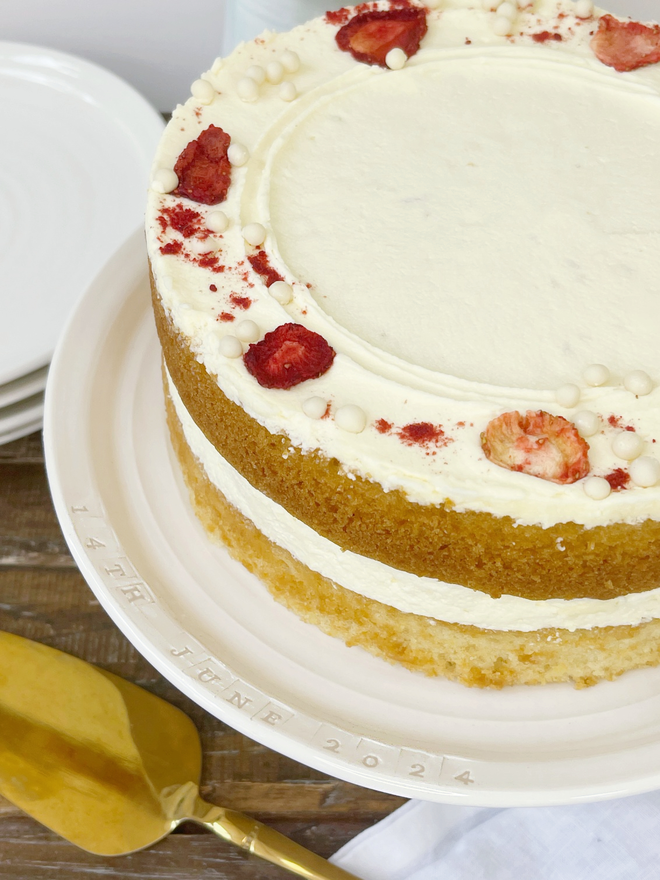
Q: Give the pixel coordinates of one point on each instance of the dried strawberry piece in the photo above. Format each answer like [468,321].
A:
[618,479]
[261,266]
[172,247]
[338,16]
[538,444]
[203,168]
[370,35]
[626,45]
[544,36]
[287,356]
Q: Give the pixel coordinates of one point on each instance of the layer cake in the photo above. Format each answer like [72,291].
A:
[406,276]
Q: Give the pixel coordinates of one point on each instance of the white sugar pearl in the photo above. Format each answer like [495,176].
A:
[290,61]
[508,10]
[204,247]
[247,89]
[584,8]
[395,59]
[164,180]
[351,418]
[203,91]
[238,154]
[257,73]
[274,72]
[596,374]
[596,488]
[567,395]
[281,291]
[287,91]
[230,347]
[314,407]
[645,471]
[627,445]
[502,26]
[254,234]
[638,383]
[587,422]
[217,221]
[247,331]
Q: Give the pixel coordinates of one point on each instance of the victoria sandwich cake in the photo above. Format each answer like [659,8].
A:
[406,276]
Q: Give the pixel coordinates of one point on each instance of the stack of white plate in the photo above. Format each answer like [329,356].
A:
[22,405]
[76,148]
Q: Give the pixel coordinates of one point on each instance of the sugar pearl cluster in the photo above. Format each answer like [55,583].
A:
[231,345]
[248,87]
[627,445]
[637,382]
[505,15]
[349,417]
[644,470]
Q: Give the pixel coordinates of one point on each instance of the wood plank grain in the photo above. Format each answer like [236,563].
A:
[188,854]
[176,859]
[26,509]
[307,800]
[20,552]
[26,450]
[28,849]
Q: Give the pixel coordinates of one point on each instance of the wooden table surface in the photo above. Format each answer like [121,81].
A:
[44,597]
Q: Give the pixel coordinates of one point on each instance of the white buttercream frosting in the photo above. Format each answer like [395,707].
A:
[469,233]
[406,592]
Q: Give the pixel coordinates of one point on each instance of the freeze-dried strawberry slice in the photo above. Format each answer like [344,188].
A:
[287,356]
[626,45]
[203,168]
[538,444]
[369,36]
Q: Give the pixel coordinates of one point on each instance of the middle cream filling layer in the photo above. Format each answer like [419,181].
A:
[407,592]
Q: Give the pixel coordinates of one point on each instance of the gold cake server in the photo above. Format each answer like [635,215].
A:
[109,766]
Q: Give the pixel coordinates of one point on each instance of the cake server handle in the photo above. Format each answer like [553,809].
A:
[265,842]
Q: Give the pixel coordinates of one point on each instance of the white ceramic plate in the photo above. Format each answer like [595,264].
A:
[18,416]
[214,631]
[23,387]
[76,148]
[20,431]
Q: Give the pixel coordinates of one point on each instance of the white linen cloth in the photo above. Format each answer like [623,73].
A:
[606,840]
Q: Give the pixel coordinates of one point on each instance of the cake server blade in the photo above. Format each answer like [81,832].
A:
[109,766]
